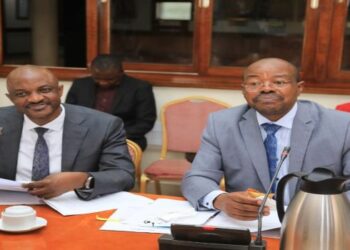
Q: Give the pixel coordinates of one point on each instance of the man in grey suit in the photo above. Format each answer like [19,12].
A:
[80,149]
[233,141]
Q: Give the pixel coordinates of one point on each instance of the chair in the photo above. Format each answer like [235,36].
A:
[136,155]
[183,122]
[343,107]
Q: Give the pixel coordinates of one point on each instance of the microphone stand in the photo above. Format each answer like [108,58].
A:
[258,241]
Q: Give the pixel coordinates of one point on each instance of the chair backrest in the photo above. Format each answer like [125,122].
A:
[135,152]
[343,107]
[183,122]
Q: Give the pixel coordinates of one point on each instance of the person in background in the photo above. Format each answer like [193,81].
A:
[109,90]
[243,144]
[55,148]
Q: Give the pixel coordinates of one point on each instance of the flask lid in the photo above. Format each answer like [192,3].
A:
[322,181]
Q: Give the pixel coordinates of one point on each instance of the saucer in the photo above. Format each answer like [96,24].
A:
[39,223]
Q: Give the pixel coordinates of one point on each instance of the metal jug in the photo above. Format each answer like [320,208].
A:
[318,217]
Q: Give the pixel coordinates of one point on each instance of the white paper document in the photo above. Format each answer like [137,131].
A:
[12,193]
[163,212]
[223,220]
[18,198]
[158,216]
[11,185]
[69,204]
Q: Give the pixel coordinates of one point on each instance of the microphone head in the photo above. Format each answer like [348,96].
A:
[285,152]
[286,149]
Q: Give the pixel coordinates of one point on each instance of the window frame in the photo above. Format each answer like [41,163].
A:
[320,60]
[64,73]
[340,13]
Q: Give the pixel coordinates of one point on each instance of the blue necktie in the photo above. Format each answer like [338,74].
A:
[41,167]
[271,148]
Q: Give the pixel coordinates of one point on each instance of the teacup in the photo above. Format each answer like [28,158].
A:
[18,218]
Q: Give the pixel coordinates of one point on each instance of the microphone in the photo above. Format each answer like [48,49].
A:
[284,155]
[185,237]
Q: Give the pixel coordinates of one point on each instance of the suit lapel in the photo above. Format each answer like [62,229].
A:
[253,141]
[11,137]
[303,126]
[73,136]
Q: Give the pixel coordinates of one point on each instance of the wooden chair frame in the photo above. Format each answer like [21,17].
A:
[137,153]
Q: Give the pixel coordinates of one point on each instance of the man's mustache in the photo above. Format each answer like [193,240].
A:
[29,105]
[270,95]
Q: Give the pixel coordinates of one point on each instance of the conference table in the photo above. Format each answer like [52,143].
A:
[83,232]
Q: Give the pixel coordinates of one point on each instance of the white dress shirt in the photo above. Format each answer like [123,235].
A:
[53,138]
[283,140]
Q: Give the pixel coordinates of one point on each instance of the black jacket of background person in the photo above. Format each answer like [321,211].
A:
[134,103]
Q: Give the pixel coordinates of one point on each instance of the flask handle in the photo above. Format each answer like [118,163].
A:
[280,192]
[347,187]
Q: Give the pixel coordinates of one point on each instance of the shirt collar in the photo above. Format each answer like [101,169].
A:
[286,121]
[56,124]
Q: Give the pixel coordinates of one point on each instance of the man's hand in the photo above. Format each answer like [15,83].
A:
[239,205]
[56,184]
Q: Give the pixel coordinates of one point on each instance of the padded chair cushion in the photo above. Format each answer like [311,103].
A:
[343,107]
[169,169]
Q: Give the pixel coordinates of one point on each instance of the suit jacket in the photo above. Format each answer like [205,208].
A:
[134,103]
[92,142]
[232,145]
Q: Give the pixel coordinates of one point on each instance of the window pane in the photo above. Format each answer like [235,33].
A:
[152,31]
[44,32]
[246,30]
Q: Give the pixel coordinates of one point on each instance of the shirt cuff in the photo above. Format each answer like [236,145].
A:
[207,201]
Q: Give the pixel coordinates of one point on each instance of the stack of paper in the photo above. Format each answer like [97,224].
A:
[69,204]
[155,217]
[158,216]
[12,193]
[223,220]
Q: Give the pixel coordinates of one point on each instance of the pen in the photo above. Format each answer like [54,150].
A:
[211,217]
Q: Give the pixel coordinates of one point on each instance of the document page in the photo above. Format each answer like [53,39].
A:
[11,185]
[223,220]
[18,198]
[69,203]
[156,217]
[12,193]
[164,212]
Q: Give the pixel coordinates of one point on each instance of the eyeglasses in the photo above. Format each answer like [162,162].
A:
[252,86]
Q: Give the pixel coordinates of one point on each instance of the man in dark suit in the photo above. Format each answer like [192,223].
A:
[77,149]
[111,91]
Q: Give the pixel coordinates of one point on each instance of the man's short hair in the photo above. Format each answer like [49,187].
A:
[105,62]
